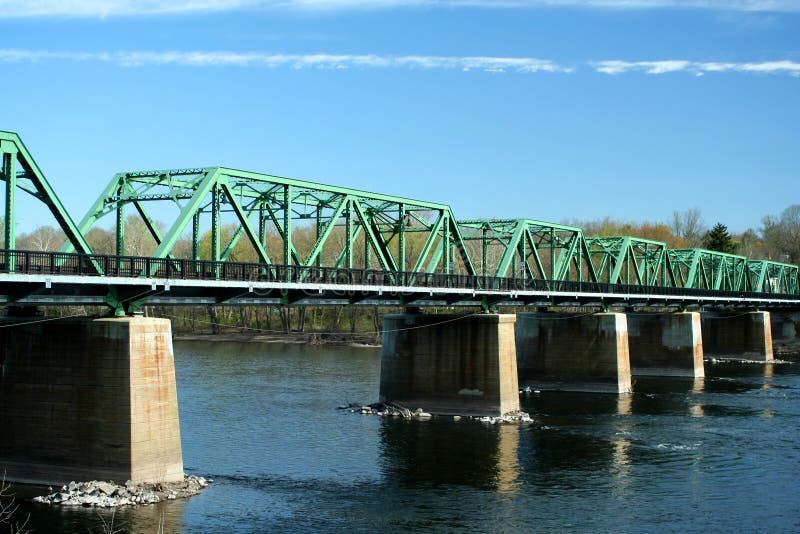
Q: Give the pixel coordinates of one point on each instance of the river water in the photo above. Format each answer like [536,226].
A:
[717,455]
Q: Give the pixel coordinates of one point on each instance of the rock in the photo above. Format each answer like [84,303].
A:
[107,495]
[106,488]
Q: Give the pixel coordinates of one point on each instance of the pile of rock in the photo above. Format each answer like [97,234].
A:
[385,409]
[513,417]
[108,495]
[391,409]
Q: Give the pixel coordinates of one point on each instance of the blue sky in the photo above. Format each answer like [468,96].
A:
[549,109]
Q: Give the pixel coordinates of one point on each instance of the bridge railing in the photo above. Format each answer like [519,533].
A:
[72,264]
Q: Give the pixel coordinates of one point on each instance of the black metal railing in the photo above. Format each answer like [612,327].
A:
[72,264]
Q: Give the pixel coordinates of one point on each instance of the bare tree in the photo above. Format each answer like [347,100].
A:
[42,238]
[782,235]
[688,224]
[8,509]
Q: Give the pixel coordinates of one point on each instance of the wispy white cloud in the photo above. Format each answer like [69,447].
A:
[699,68]
[375,61]
[296,61]
[119,8]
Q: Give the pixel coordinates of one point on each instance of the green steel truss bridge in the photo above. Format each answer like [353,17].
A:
[297,242]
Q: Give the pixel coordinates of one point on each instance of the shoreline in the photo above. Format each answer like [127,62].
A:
[293,338]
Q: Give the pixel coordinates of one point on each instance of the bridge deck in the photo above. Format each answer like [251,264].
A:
[50,278]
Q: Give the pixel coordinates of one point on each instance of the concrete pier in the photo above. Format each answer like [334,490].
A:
[745,336]
[574,353]
[449,364]
[89,399]
[785,325]
[666,344]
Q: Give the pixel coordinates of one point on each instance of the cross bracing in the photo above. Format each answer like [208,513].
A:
[767,276]
[708,269]
[631,260]
[349,228]
[528,249]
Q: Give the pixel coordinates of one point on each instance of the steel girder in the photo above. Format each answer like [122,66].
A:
[526,248]
[631,260]
[708,269]
[350,228]
[20,171]
[767,276]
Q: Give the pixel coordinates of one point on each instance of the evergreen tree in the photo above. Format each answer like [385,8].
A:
[719,239]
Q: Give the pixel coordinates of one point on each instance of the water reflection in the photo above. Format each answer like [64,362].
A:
[696,407]
[464,452]
[166,517]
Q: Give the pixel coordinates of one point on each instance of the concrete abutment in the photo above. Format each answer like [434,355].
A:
[86,399]
[448,364]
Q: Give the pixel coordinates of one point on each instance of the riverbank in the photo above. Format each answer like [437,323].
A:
[781,347]
[294,338]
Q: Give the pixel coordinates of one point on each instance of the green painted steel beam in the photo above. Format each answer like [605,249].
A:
[244,221]
[642,261]
[10,142]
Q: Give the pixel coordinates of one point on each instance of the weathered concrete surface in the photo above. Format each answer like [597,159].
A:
[666,344]
[738,335]
[574,353]
[450,365]
[785,325]
[89,399]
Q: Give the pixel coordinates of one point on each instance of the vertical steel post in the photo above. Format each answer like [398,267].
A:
[196,235]
[287,226]
[215,230]
[348,238]
[402,243]
[319,232]
[484,251]
[367,258]
[446,244]
[262,225]
[120,226]
[10,171]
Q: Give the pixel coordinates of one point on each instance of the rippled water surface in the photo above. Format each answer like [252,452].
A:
[717,455]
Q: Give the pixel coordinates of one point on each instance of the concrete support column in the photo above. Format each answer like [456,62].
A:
[785,325]
[89,399]
[447,364]
[745,336]
[574,353]
[668,344]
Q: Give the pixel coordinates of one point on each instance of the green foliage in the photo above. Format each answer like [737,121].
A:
[719,239]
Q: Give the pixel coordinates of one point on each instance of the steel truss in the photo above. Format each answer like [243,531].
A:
[399,241]
[529,249]
[351,228]
[20,172]
[767,276]
[631,260]
[708,269]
